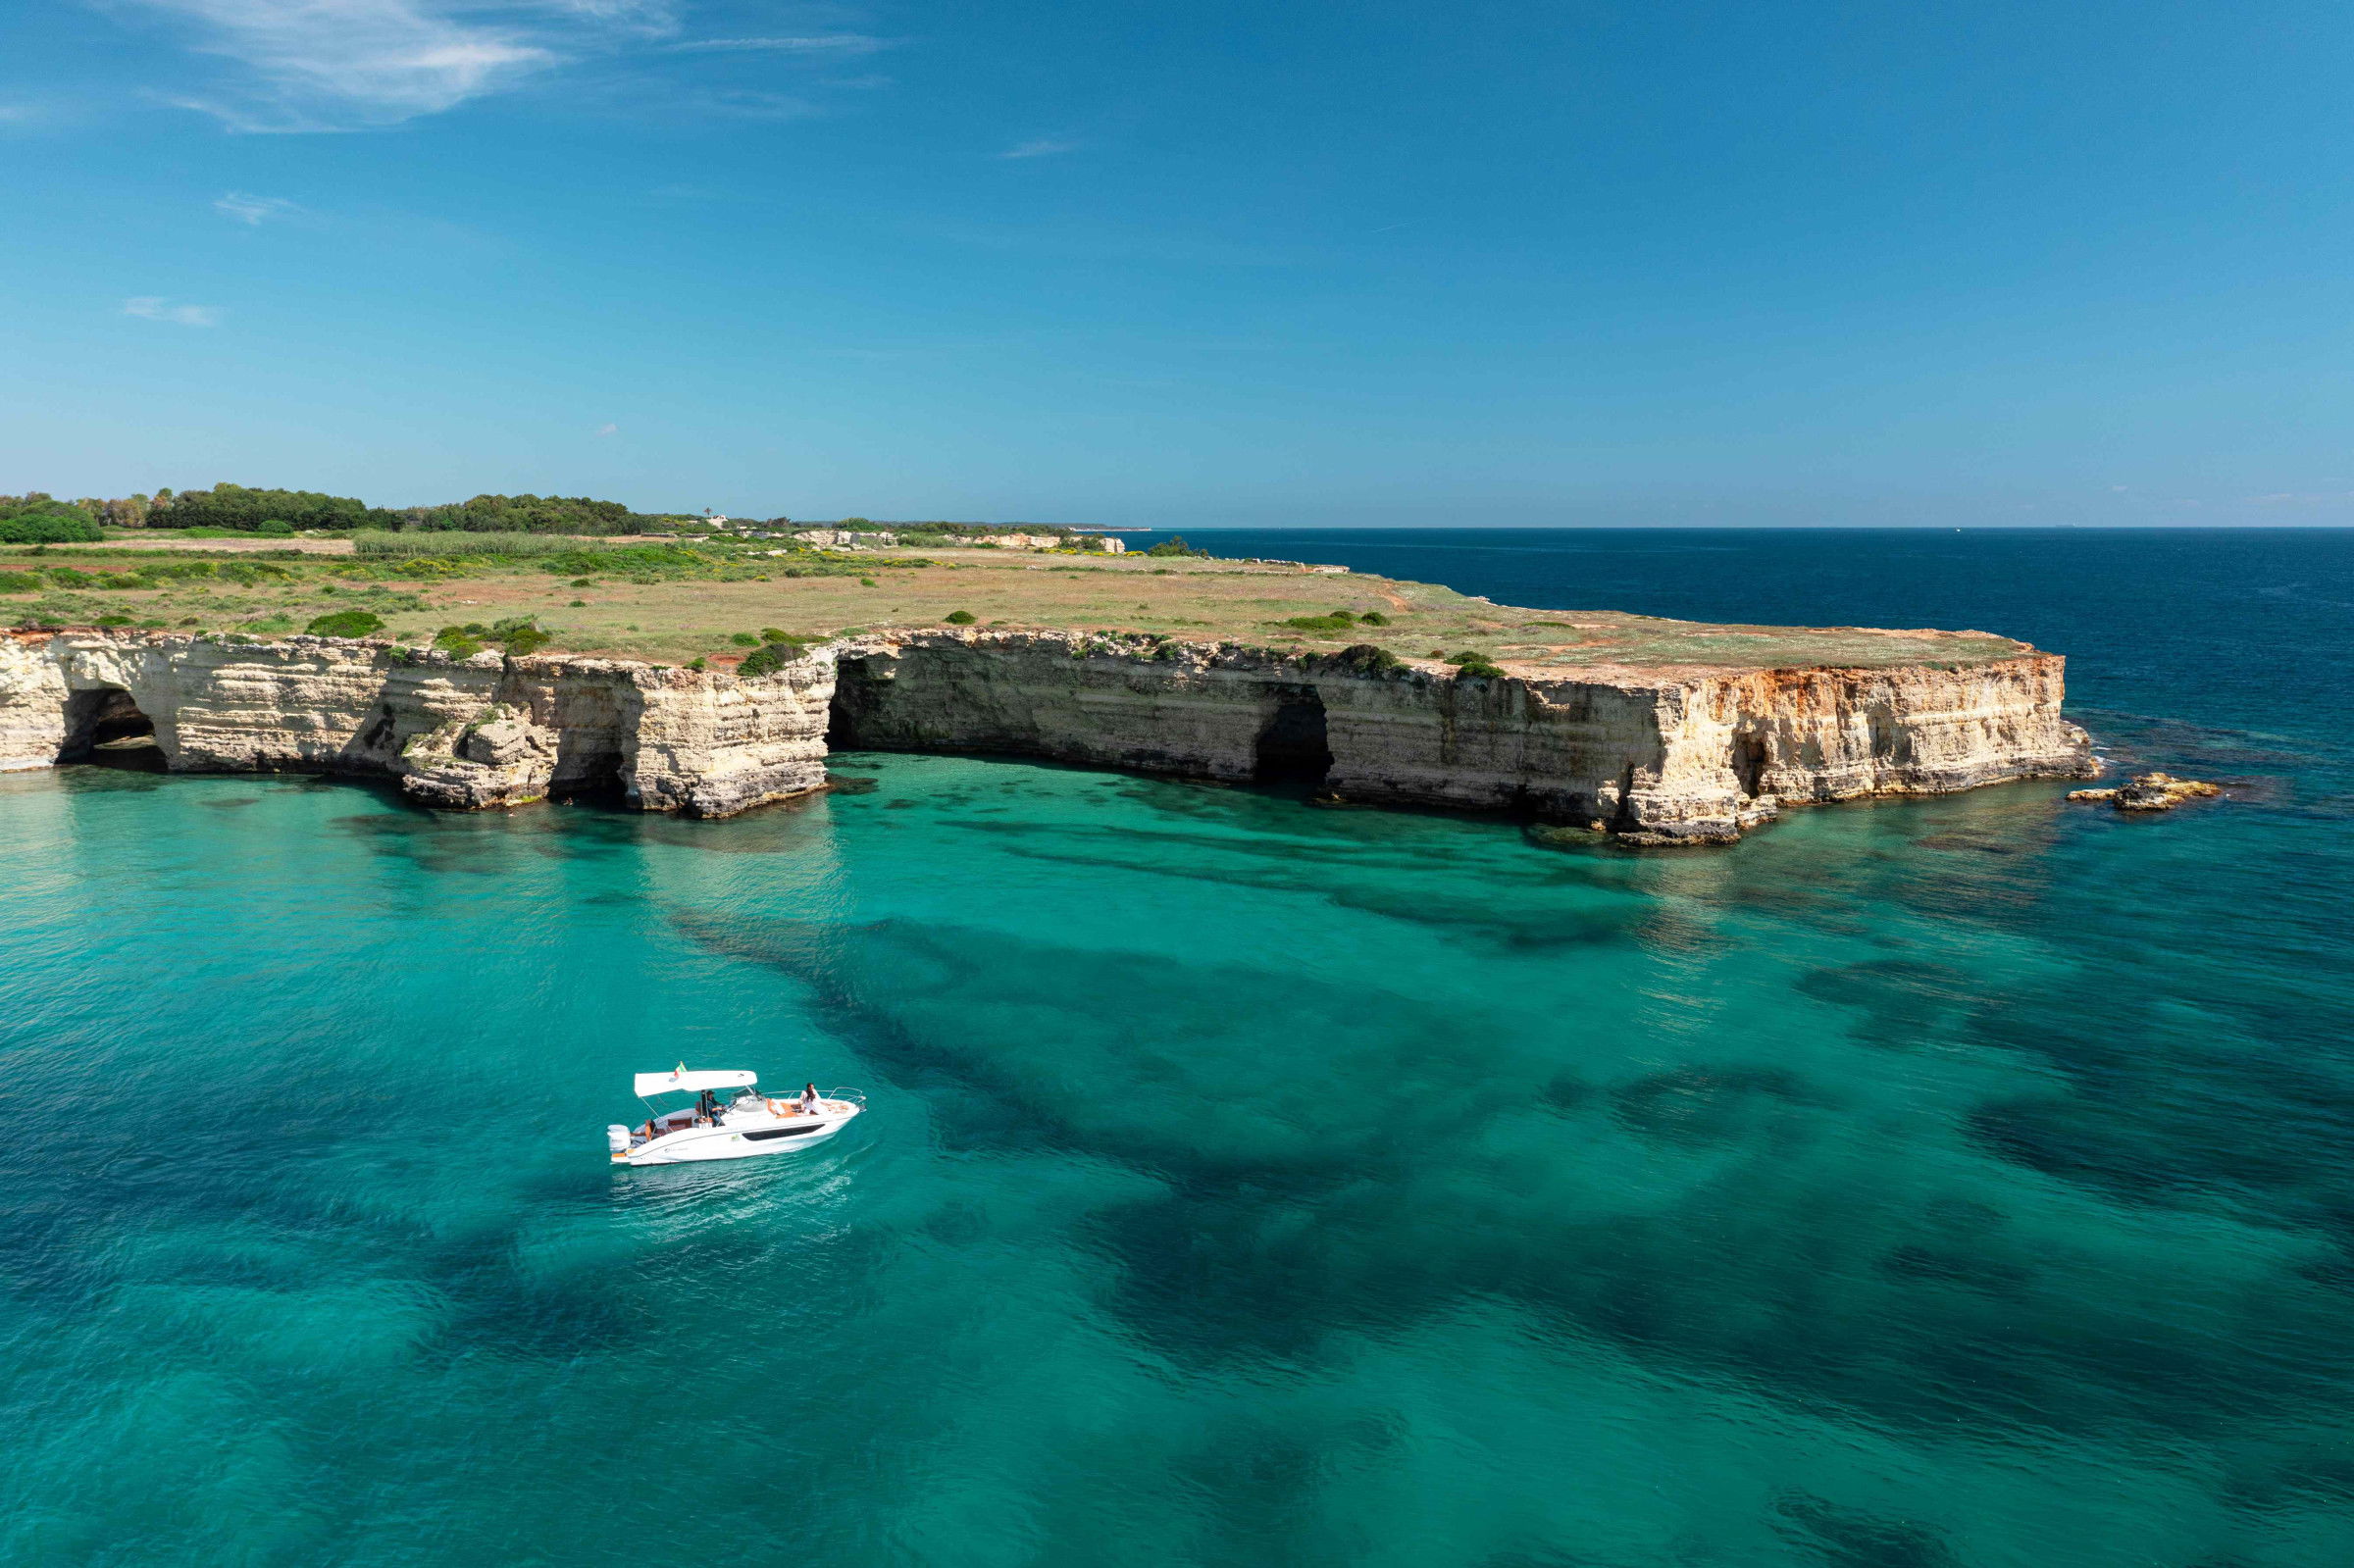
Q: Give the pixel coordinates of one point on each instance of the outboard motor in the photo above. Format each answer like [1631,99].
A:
[617,1139]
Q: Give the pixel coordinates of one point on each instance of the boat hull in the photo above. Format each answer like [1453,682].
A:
[736,1140]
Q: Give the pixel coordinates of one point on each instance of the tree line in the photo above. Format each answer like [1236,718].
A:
[248,509]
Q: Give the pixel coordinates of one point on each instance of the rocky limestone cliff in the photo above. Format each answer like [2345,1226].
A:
[1656,756]
[464,733]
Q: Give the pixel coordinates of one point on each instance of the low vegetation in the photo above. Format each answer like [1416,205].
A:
[678,600]
[347,624]
[519,634]
[383,543]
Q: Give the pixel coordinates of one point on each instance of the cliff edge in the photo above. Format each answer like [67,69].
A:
[1661,753]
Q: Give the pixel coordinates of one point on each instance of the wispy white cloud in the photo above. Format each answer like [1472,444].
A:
[1038,147]
[156,308]
[250,208]
[839,45]
[358,65]
[608,429]
[344,64]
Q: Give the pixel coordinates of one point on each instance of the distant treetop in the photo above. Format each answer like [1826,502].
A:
[529,514]
[233,506]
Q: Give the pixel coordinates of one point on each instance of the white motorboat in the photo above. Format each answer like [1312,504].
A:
[728,1119]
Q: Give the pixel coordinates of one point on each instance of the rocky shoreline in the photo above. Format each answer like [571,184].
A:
[1688,755]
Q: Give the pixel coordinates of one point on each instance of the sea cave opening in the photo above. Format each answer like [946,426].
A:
[589,773]
[105,726]
[1749,762]
[856,692]
[1293,749]
[591,764]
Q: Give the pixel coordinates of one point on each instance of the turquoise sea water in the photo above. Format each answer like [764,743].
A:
[1956,1182]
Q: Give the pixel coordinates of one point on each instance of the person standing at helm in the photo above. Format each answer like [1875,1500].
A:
[808,1101]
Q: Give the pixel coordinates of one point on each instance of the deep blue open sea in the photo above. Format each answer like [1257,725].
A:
[1953,1182]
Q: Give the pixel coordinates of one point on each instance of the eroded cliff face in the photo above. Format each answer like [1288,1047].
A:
[1674,756]
[1658,757]
[470,734]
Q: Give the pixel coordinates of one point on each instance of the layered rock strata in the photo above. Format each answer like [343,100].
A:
[1656,756]
[466,733]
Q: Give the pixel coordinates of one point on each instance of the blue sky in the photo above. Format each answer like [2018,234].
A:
[1191,264]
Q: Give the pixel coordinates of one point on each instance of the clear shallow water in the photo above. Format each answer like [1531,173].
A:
[1958,1182]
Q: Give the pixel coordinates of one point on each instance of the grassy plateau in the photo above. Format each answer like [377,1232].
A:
[674,603]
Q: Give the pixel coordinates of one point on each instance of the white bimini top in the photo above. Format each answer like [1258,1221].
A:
[671,1083]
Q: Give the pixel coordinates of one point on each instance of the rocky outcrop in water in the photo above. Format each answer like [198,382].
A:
[2150,791]
[1674,756]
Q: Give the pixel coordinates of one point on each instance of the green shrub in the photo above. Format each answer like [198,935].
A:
[347,624]
[1373,618]
[519,634]
[428,569]
[961,618]
[698,664]
[579,582]
[768,658]
[1363,658]
[1320,623]
[276,527]
[866,583]
[457,641]
[271,626]
[743,639]
[770,634]
[1175,544]
[1478,668]
[112,620]
[579,604]
[17,582]
[65,525]
[248,573]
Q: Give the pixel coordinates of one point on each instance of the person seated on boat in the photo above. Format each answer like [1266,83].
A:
[808,1104]
[706,1109]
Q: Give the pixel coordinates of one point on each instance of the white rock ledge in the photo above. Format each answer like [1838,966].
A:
[1655,757]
